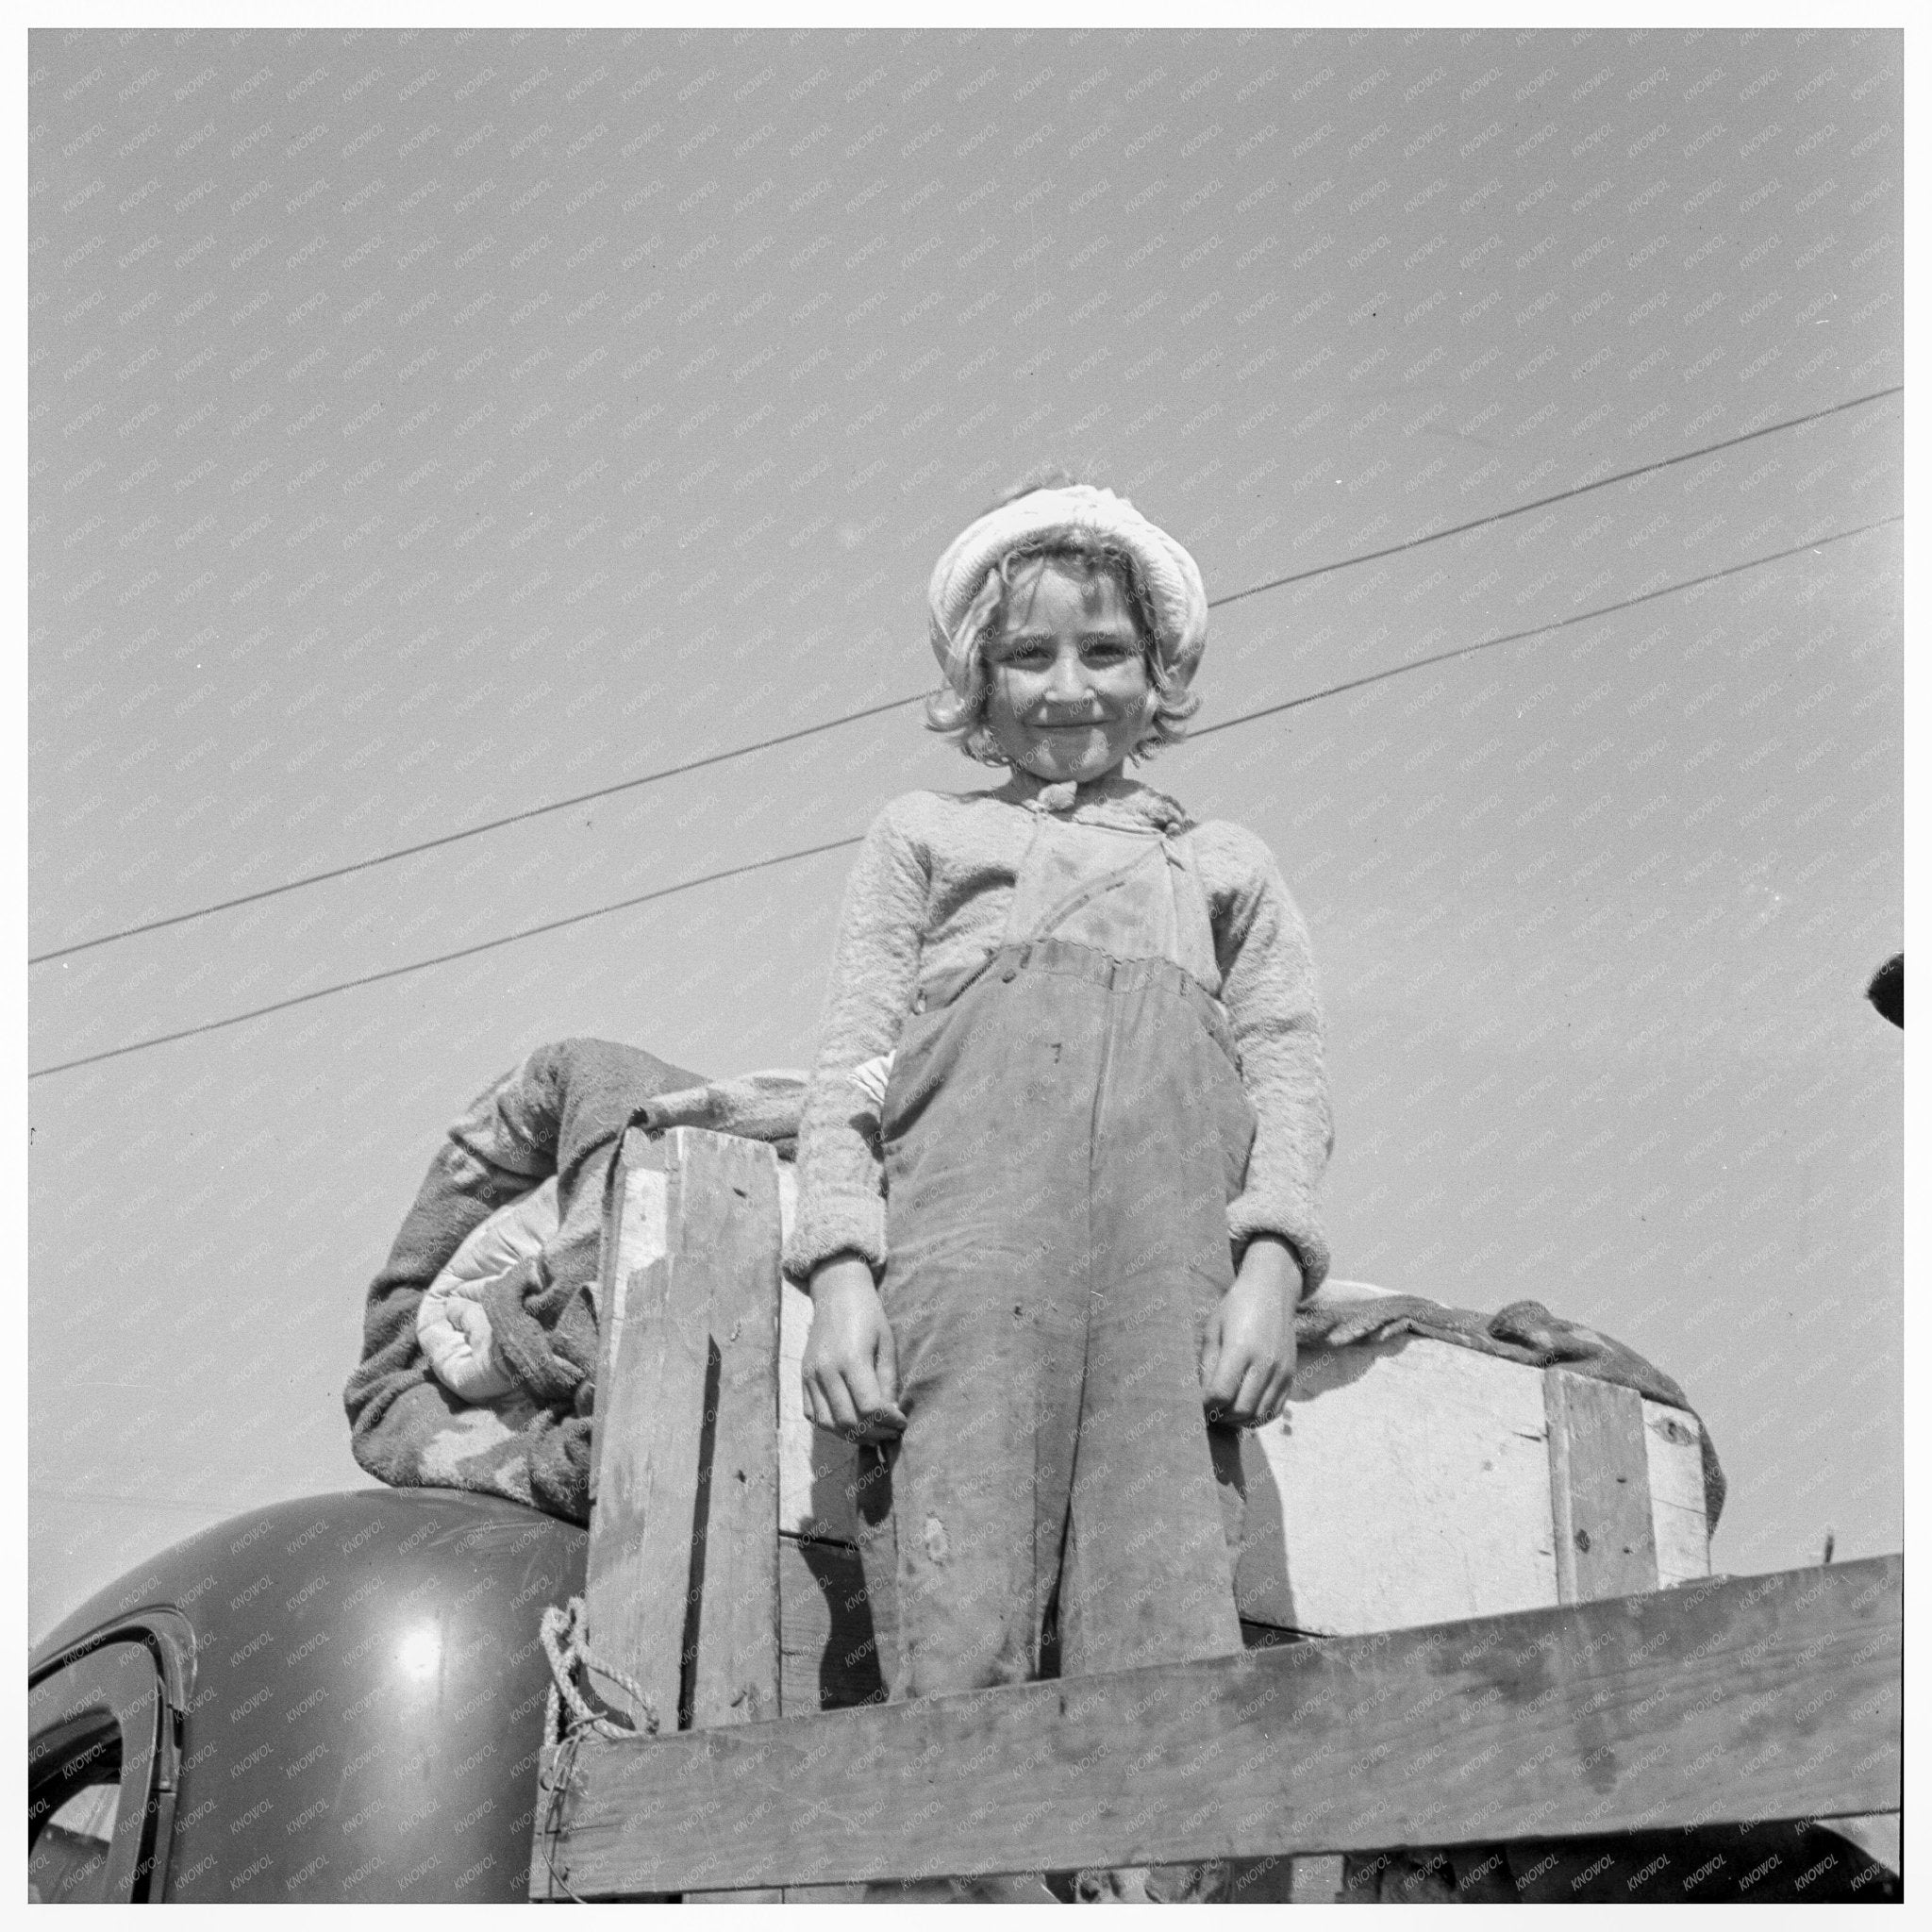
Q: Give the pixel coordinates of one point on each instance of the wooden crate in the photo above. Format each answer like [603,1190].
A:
[1410,1481]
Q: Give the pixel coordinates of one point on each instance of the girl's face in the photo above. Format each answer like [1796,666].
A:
[1067,684]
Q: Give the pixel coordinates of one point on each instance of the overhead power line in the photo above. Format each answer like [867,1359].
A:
[1536,630]
[532,932]
[515,818]
[1690,456]
[396,853]
[528,932]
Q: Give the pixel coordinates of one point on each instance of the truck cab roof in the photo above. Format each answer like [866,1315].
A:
[339,1697]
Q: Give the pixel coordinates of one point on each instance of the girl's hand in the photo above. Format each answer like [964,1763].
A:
[849,1370]
[1247,1358]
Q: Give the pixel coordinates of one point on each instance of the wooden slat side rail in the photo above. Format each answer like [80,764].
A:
[645,1462]
[1759,1697]
[734,1673]
[1599,1487]
[736,1678]
[692,1367]
[633,1233]
[681,1584]
[651,1394]
[1679,1524]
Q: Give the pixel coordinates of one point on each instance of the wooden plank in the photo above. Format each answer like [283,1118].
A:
[730,1204]
[633,1239]
[698,1223]
[1673,1442]
[1407,1483]
[650,1393]
[1599,1487]
[828,1659]
[1739,1698]
[681,1584]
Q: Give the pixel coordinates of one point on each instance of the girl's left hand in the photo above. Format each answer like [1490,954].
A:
[1248,1356]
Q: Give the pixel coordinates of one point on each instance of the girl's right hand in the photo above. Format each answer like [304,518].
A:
[849,1370]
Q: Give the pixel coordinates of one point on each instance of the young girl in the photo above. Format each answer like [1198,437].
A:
[1088,1208]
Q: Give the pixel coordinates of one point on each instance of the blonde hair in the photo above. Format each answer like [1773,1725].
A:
[961,716]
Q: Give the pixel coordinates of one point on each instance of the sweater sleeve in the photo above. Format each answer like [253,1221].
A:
[875,967]
[1274,1007]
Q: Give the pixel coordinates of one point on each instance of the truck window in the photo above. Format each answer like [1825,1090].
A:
[67,1860]
[95,1730]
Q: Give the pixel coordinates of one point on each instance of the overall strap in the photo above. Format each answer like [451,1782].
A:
[1084,894]
[1073,884]
[1193,917]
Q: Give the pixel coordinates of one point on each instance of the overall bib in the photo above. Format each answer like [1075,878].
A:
[1063,1128]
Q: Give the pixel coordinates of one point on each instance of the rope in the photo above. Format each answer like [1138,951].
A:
[564,1634]
[567,1645]
[560,1779]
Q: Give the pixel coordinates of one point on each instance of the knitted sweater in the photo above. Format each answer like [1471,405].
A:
[930,893]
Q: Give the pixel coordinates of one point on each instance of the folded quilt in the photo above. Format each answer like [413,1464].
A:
[452,1325]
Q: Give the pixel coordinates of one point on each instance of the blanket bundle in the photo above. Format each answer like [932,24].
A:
[557,1121]
[560,1116]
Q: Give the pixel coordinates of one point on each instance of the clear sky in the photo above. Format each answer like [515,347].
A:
[428,425]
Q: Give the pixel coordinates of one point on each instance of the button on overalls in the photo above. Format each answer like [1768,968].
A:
[1063,1128]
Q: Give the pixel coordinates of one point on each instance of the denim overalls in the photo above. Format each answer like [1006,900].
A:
[1063,1128]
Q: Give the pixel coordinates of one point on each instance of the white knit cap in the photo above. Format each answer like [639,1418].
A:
[1171,576]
